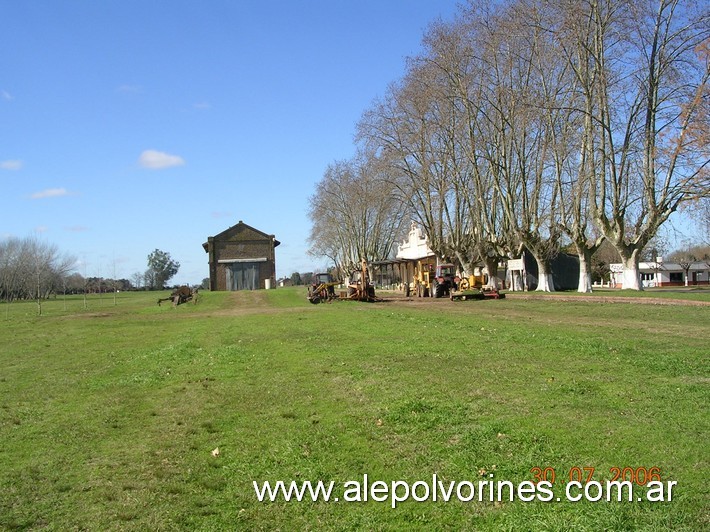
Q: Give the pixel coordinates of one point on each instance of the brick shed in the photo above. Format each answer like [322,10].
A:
[241,258]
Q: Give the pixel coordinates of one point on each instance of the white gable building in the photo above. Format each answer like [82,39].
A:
[660,274]
[416,245]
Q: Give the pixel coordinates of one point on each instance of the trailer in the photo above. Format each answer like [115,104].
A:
[477,294]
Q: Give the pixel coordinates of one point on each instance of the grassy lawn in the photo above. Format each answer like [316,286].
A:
[109,414]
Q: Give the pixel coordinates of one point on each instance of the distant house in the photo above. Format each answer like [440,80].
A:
[241,258]
[660,274]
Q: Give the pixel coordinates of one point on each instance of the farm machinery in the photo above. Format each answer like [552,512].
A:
[181,295]
[440,280]
[478,293]
[472,288]
[445,280]
[323,288]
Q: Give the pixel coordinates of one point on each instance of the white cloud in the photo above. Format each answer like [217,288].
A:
[50,193]
[202,106]
[156,160]
[6,95]
[11,165]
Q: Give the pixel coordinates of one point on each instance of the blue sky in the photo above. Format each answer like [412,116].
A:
[127,126]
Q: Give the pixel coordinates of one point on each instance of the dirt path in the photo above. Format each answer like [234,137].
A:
[244,302]
[613,299]
[395,298]
[255,302]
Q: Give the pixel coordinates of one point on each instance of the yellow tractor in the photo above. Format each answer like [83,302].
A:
[473,288]
[472,282]
[438,280]
[422,278]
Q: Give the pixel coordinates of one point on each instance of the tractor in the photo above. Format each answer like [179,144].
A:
[322,288]
[360,289]
[473,288]
[445,280]
[434,281]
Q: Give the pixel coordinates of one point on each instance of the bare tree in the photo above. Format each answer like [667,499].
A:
[527,122]
[470,137]
[523,80]
[354,215]
[12,257]
[48,267]
[398,128]
[137,280]
[31,269]
[643,77]
[701,214]
[418,129]
[481,234]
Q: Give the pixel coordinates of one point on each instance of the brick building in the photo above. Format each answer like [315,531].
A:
[241,258]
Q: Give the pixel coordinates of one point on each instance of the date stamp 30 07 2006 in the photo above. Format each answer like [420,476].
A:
[638,475]
[580,484]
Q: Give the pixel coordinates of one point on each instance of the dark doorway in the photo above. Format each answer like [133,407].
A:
[243,276]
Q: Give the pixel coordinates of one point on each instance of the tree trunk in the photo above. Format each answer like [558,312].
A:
[631,280]
[516,281]
[492,269]
[544,277]
[585,272]
[466,266]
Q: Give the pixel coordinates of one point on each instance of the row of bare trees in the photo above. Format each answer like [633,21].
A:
[530,123]
[32,269]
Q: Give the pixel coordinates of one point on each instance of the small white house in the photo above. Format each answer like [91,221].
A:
[660,274]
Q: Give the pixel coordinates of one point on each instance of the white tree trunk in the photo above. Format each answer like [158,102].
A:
[544,277]
[630,277]
[516,281]
[585,276]
[492,269]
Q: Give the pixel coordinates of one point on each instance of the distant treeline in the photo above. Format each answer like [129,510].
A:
[33,269]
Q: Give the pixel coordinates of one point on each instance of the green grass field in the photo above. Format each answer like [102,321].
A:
[109,414]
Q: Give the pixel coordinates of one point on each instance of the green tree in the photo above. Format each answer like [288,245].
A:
[161,267]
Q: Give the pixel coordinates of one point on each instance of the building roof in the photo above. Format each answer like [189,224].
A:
[700,265]
[238,227]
